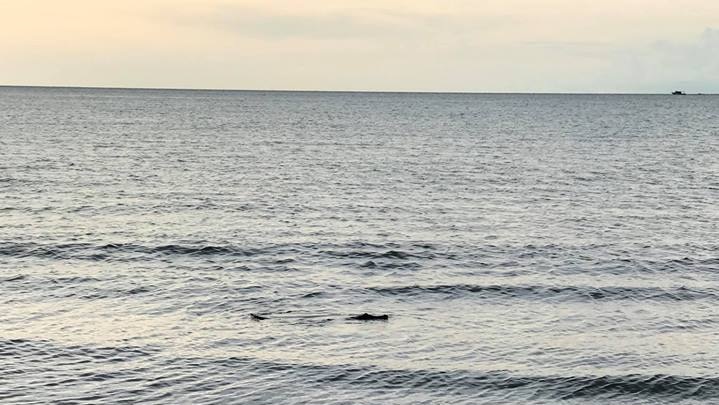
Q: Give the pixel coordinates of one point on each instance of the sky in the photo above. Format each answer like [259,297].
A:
[606,46]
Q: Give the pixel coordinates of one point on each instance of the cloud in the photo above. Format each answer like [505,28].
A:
[462,45]
[655,66]
[265,23]
[700,53]
[260,23]
[692,66]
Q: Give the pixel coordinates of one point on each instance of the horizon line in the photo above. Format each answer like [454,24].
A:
[80,87]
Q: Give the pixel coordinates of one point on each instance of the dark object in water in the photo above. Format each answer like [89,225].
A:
[363,317]
[368,317]
[678,93]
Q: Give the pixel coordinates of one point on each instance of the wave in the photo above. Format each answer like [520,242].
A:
[469,383]
[581,293]
[89,251]
[138,372]
[389,254]
[176,250]
[29,347]
[504,260]
[10,279]
[134,252]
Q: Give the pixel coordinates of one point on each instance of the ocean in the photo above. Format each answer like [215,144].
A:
[528,249]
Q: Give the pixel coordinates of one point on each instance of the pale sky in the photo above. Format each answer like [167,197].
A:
[393,45]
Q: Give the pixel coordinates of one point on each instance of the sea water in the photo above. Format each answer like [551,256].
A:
[528,249]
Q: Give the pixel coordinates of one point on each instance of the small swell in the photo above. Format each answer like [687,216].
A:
[651,386]
[23,348]
[19,277]
[387,256]
[152,369]
[86,251]
[359,254]
[87,288]
[502,260]
[580,293]
[175,250]
[371,264]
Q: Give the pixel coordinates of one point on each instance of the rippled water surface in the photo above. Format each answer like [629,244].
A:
[529,249]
